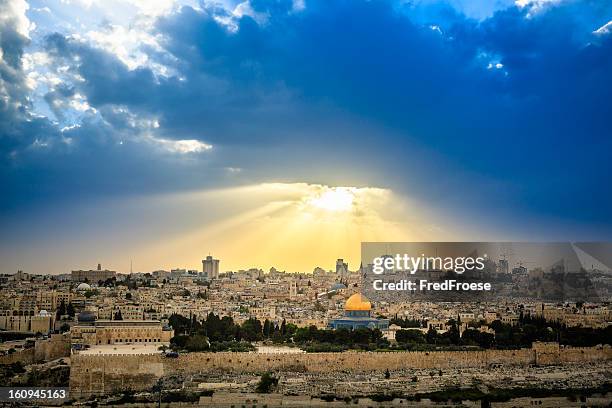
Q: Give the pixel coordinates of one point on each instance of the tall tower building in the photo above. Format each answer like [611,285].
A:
[341,267]
[503,267]
[210,267]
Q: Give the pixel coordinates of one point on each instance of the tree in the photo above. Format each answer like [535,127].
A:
[64,328]
[251,330]
[70,310]
[128,296]
[61,310]
[387,374]
[453,333]
[409,336]
[475,337]
[266,383]
[197,343]
[179,342]
[118,315]
[266,329]
[179,323]
[432,336]
[91,293]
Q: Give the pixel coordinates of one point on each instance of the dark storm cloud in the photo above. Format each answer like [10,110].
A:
[519,99]
[13,92]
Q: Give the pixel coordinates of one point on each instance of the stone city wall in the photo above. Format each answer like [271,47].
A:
[26,356]
[103,374]
[57,346]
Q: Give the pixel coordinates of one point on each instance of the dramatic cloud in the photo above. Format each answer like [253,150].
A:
[504,109]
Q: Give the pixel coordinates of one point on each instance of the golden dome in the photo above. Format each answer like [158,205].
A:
[357,302]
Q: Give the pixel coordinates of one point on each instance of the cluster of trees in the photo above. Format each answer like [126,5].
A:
[531,328]
[109,283]
[198,342]
[412,338]
[528,330]
[318,340]
[64,309]
[225,329]
[92,292]
[218,334]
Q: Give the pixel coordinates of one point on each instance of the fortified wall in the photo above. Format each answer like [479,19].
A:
[56,346]
[95,375]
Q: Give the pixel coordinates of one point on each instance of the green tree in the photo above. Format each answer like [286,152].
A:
[61,310]
[266,384]
[453,333]
[432,336]
[266,329]
[91,293]
[409,336]
[70,310]
[252,330]
[197,343]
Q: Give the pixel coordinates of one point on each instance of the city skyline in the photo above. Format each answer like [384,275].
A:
[284,134]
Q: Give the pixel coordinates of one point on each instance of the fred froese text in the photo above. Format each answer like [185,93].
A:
[424,285]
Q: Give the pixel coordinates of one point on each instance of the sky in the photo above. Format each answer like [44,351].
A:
[285,132]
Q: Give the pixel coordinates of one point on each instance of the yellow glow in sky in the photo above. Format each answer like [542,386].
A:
[291,226]
[334,199]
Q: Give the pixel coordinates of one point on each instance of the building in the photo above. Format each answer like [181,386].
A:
[357,314]
[502,267]
[51,300]
[210,267]
[13,320]
[89,331]
[93,275]
[341,267]
[293,291]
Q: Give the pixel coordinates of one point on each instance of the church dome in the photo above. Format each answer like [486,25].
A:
[357,302]
[338,286]
[86,317]
[83,287]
